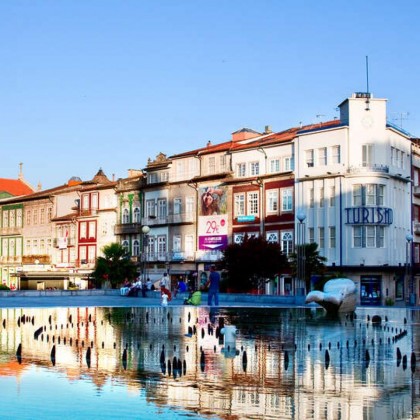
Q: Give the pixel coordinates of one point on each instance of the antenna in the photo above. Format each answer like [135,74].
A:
[367,84]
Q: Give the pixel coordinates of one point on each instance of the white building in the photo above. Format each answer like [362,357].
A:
[353,184]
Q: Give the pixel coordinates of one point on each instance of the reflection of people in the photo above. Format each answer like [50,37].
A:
[210,201]
[214,284]
[164,280]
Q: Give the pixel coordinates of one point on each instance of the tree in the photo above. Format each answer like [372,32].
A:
[252,263]
[114,266]
[314,263]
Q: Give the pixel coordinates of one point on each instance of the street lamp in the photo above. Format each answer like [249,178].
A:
[410,277]
[300,272]
[145,231]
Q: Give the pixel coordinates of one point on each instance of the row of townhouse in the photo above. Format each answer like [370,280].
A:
[351,185]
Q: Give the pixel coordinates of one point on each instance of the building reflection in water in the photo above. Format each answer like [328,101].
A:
[288,363]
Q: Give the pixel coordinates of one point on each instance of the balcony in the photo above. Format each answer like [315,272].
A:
[355,169]
[181,218]
[36,259]
[179,256]
[11,231]
[416,228]
[154,220]
[208,255]
[155,256]
[16,259]
[127,228]
[416,191]
[70,241]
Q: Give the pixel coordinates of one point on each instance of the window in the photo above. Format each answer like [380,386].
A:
[124,244]
[35,217]
[367,154]
[212,165]
[162,208]
[310,158]
[321,197]
[6,218]
[126,216]
[241,169]
[288,163]
[189,204]
[19,217]
[92,230]
[151,208]
[254,168]
[336,154]
[332,236]
[177,205]
[368,195]
[253,203]
[176,244]
[136,247]
[12,220]
[322,156]
[272,201]
[223,166]
[332,196]
[152,178]
[274,165]
[272,237]
[189,245]
[368,236]
[287,243]
[85,202]
[321,234]
[42,217]
[286,199]
[311,235]
[161,243]
[136,214]
[239,205]
[311,197]
[28,217]
[49,213]
[238,238]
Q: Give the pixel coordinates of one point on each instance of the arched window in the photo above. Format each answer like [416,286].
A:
[136,248]
[125,245]
[126,216]
[136,215]
[287,242]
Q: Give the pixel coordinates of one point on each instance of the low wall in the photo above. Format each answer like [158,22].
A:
[223,297]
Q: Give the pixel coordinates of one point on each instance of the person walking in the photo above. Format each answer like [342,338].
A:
[213,285]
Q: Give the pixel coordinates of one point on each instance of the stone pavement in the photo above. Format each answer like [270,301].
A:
[112,298]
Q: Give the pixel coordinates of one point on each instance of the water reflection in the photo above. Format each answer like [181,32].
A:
[230,363]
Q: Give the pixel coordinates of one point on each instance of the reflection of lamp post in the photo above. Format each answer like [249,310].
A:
[410,277]
[145,231]
[300,272]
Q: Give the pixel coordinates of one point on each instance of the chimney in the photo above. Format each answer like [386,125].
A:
[20,176]
[209,143]
[268,129]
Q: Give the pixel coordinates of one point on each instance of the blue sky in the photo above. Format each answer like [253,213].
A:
[89,84]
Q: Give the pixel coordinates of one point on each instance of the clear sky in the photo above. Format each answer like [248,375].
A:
[89,84]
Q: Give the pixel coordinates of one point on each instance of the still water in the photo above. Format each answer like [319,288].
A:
[175,363]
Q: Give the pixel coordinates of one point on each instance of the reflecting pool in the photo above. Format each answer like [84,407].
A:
[228,363]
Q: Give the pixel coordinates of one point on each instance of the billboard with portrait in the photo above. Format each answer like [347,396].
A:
[212,220]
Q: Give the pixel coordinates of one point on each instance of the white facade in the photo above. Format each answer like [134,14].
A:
[353,183]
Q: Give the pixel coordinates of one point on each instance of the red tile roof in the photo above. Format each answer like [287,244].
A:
[14,187]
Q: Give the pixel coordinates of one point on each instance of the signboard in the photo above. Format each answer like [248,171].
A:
[368,216]
[246,218]
[213,220]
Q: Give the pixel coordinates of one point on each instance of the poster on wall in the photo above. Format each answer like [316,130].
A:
[212,220]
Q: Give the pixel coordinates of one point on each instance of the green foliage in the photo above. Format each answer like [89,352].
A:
[389,302]
[252,263]
[4,287]
[114,266]
[314,263]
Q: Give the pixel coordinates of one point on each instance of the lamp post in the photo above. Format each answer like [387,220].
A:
[145,231]
[410,277]
[300,272]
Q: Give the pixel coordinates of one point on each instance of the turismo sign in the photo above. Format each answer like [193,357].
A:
[368,216]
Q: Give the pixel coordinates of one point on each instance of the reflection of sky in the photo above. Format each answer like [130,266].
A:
[42,393]
[285,373]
